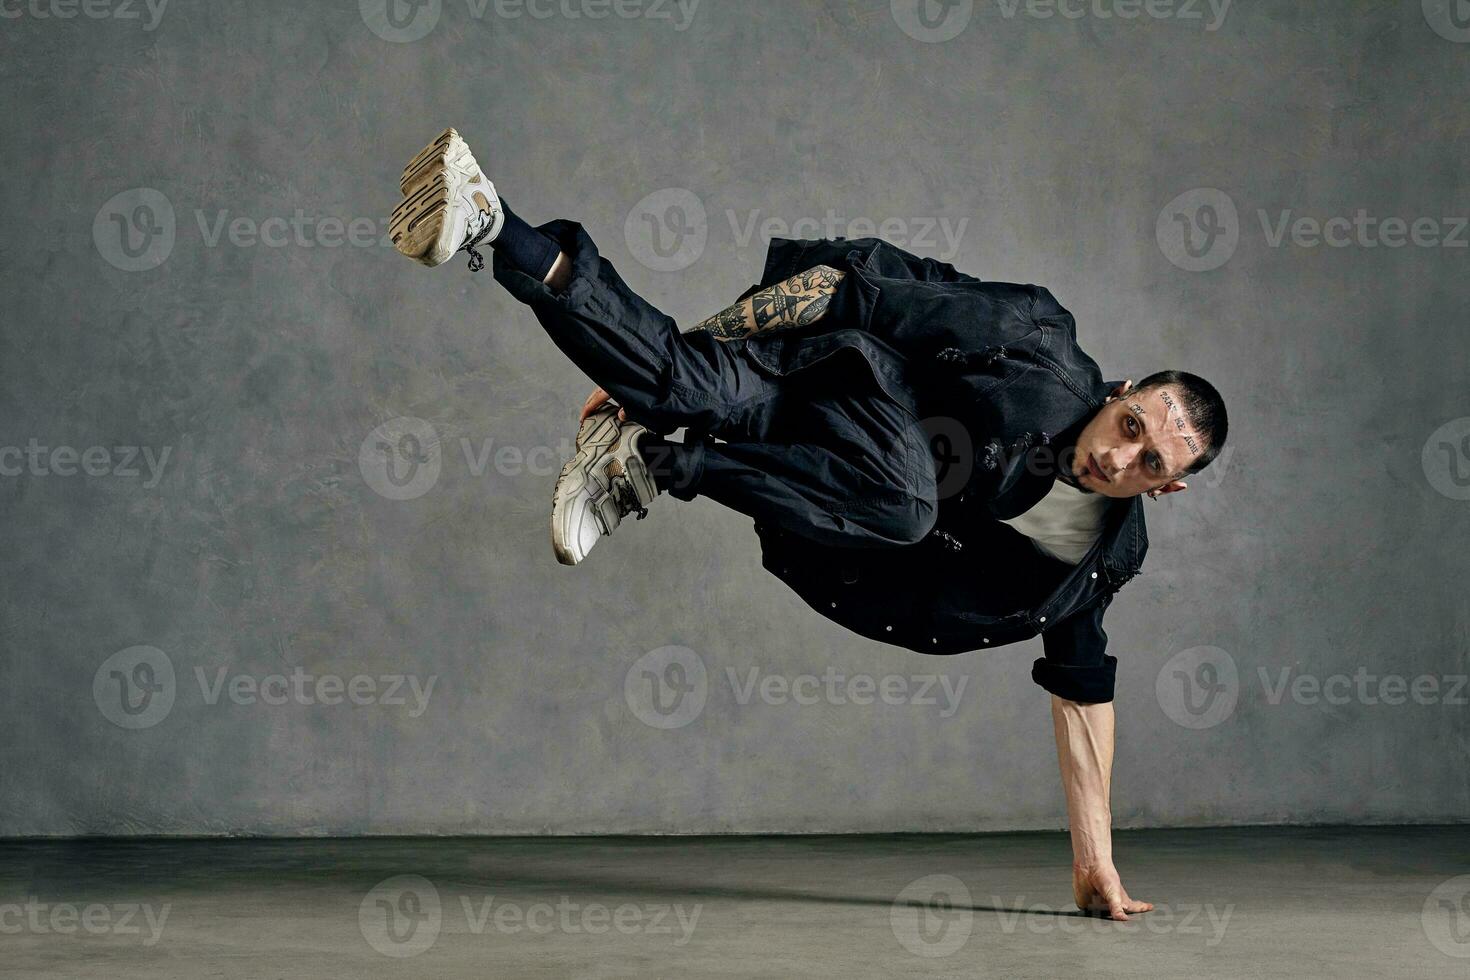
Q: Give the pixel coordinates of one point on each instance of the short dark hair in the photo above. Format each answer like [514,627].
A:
[1202,406]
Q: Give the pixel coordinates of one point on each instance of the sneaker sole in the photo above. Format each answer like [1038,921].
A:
[579,462]
[420,225]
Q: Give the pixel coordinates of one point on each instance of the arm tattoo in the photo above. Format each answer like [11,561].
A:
[797,302]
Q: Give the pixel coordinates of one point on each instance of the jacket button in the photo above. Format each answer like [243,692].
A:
[1094,574]
[889,628]
[933,639]
[985,640]
[1042,619]
[834,605]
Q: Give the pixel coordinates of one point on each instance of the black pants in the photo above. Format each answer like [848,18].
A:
[820,452]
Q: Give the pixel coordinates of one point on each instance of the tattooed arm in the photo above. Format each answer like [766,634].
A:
[796,302]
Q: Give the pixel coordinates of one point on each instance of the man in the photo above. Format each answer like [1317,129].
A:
[930,459]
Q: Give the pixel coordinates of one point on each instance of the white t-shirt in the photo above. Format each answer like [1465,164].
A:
[1064,523]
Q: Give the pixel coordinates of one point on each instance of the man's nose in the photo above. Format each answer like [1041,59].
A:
[1115,461]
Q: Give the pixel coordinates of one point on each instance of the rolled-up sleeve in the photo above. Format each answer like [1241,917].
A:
[1076,665]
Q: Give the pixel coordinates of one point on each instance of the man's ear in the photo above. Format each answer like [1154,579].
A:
[1121,390]
[1173,486]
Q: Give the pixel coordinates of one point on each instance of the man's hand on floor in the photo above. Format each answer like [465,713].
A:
[1098,889]
[595,401]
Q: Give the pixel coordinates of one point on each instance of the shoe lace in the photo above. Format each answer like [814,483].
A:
[479,226]
[626,497]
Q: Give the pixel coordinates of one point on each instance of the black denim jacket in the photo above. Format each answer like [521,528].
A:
[995,370]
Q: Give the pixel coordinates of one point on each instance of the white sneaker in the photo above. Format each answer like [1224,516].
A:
[603,483]
[448,204]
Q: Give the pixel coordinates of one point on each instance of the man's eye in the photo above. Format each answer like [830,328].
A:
[1132,424]
[1155,463]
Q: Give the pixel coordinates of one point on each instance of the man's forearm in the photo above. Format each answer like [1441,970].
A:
[1084,734]
[796,302]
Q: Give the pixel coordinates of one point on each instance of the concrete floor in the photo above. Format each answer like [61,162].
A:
[1291,903]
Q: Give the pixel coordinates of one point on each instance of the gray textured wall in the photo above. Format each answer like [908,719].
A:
[260,356]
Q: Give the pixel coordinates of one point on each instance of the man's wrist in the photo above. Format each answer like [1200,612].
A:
[1092,846]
